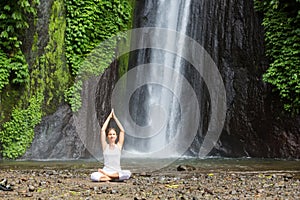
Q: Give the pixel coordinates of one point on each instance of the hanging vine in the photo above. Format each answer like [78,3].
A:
[282,35]
[13,22]
[89,23]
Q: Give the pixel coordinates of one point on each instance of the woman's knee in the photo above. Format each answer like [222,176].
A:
[124,174]
[96,176]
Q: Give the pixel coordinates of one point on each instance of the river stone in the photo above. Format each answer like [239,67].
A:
[185,168]
[31,188]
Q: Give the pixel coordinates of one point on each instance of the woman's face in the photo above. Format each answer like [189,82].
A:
[112,136]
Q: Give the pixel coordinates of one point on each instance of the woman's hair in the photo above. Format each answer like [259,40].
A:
[109,129]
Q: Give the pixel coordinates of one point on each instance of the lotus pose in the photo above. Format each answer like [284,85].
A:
[111,153]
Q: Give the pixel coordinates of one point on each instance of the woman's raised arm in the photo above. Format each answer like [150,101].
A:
[122,131]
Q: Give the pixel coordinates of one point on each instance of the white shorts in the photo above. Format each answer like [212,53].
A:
[123,175]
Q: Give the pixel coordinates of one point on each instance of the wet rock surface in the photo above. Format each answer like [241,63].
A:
[165,184]
[56,137]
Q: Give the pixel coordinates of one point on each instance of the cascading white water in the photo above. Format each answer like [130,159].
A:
[159,100]
[171,15]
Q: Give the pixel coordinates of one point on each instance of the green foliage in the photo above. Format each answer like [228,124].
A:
[89,23]
[50,74]
[73,95]
[4,69]
[71,40]
[47,76]
[13,21]
[282,36]
[17,134]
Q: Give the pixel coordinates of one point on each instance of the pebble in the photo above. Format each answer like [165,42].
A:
[233,192]
[185,168]
[31,188]
[29,195]
[113,191]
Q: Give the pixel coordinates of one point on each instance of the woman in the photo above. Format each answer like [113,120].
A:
[111,153]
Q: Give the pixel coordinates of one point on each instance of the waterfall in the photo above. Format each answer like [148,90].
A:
[171,15]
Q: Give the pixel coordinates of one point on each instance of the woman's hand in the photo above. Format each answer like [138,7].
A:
[113,113]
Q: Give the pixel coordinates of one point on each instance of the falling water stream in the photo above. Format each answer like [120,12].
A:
[171,15]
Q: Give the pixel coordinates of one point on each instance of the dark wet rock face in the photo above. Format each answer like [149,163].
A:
[256,125]
[104,91]
[56,138]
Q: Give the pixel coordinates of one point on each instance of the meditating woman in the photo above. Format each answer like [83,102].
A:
[111,153]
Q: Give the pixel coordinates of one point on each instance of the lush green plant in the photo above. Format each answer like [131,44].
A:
[282,35]
[18,133]
[4,69]
[13,21]
[47,76]
[73,95]
[89,23]
[14,72]
[49,73]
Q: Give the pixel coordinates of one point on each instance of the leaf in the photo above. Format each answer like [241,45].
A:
[4,34]
[7,7]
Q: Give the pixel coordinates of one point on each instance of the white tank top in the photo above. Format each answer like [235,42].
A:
[112,157]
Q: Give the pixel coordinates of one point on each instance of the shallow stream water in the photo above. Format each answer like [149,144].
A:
[147,165]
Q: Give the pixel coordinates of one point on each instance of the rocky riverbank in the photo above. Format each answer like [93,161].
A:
[175,183]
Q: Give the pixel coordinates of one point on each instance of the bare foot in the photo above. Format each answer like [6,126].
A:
[102,171]
[105,179]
